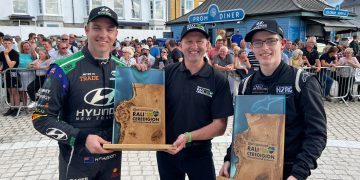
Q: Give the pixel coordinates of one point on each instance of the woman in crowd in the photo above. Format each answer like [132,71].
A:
[346,73]
[26,76]
[163,60]
[242,64]
[41,66]
[128,56]
[296,58]
[236,50]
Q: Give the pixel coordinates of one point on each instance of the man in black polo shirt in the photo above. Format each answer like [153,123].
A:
[311,55]
[198,102]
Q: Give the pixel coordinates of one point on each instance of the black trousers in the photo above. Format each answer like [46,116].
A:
[196,161]
[34,86]
[85,165]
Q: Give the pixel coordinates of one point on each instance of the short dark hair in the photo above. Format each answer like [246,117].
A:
[47,40]
[172,43]
[354,37]
[333,49]
[7,38]
[1,34]
[31,35]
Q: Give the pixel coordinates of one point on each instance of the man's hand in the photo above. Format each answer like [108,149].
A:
[141,67]
[246,71]
[6,51]
[164,57]
[178,145]
[291,178]
[225,169]
[317,69]
[94,144]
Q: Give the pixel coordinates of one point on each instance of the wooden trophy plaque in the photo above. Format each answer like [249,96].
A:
[258,138]
[139,123]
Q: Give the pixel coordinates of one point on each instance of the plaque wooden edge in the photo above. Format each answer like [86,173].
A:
[222,178]
[137,147]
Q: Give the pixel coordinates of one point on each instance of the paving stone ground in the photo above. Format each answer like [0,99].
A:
[26,154]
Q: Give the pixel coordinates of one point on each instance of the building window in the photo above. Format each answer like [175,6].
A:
[96,3]
[186,6]
[119,8]
[40,7]
[159,9]
[20,6]
[52,25]
[354,10]
[135,9]
[17,23]
[91,4]
[49,7]
[152,9]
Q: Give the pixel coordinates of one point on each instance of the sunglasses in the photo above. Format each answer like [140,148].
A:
[163,52]
[63,48]
[64,39]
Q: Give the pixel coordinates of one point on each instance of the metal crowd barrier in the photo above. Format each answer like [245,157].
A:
[355,84]
[19,88]
[337,82]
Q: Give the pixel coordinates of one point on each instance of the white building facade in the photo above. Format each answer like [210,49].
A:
[133,14]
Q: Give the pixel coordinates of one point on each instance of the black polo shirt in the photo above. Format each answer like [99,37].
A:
[311,56]
[326,57]
[193,101]
[13,55]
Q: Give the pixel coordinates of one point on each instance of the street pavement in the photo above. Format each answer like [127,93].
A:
[26,154]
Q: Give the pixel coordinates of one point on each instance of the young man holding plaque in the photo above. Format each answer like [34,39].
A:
[198,102]
[305,128]
[76,103]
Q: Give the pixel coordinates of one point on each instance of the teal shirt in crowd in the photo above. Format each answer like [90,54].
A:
[24,60]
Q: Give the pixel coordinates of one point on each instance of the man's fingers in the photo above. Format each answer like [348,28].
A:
[102,141]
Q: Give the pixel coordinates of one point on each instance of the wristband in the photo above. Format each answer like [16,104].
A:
[188,136]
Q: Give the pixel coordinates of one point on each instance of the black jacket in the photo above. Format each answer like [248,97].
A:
[305,126]
[77,99]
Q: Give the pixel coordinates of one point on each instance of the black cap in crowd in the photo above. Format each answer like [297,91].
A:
[103,11]
[192,28]
[264,25]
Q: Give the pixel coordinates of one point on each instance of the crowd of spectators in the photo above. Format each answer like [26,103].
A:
[233,57]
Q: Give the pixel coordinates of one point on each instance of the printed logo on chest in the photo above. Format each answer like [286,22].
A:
[284,89]
[259,89]
[204,91]
[89,77]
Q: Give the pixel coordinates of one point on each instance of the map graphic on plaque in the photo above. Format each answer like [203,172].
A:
[258,137]
[139,117]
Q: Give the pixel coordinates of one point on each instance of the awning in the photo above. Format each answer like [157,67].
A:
[24,17]
[132,23]
[337,25]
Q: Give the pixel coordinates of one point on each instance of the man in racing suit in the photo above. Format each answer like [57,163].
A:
[305,127]
[76,103]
